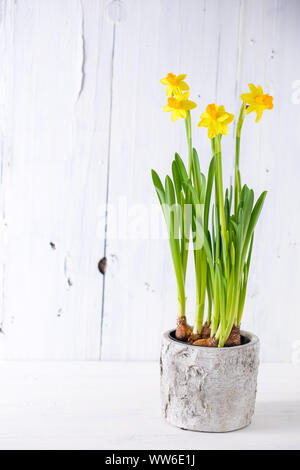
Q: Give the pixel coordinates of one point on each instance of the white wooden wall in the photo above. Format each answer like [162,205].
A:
[81,127]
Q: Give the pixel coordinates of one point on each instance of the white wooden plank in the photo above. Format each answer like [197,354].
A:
[140,294]
[269,149]
[57,61]
[223,46]
[61,83]
[53,406]
[7,15]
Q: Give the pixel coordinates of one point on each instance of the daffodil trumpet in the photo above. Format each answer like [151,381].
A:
[222,227]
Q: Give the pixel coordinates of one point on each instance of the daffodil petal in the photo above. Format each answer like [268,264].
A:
[203,123]
[247,97]
[223,118]
[185,96]
[259,114]
[229,119]
[169,91]
[205,116]
[184,86]
[216,119]
[188,105]
[252,88]
[211,132]
[174,116]
[224,130]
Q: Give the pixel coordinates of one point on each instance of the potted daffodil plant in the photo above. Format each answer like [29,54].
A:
[209,370]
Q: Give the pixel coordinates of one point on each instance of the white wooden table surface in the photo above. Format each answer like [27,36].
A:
[109,405]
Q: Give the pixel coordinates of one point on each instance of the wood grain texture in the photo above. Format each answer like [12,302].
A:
[222,46]
[82,125]
[56,146]
[108,405]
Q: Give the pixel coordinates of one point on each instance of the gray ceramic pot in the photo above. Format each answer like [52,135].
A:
[209,389]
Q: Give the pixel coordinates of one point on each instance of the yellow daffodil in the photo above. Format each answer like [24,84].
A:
[179,105]
[175,84]
[256,100]
[216,119]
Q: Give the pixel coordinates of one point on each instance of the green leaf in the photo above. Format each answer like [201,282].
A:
[250,252]
[177,181]
[203,188]
[159,187]
[217,228]
[173,221]
[196,172]
[213,232]
[247,210]
[170,193]
[189,187]
[230,197]
[253,221]
[181,168]
[232,254]
[210,180]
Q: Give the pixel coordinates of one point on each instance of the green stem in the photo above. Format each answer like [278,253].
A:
[199,318]
[201,277]
[210,299]
[188,128]
[237,176]
[181,307]
[219,181]
[220,200]
[180,287]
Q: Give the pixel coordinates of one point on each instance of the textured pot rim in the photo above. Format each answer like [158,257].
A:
[253,339]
